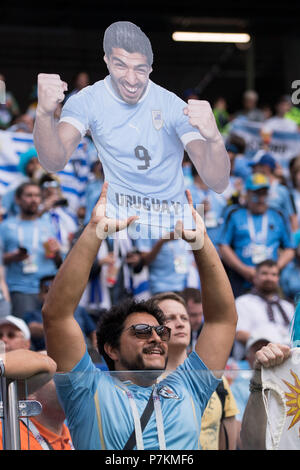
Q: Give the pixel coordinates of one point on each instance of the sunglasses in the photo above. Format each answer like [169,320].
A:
[143,331]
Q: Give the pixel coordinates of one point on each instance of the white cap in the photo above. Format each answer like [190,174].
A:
[268,333]
[18,322]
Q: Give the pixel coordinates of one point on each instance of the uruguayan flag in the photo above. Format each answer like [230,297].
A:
[12,144]
[283,145]
[73,178]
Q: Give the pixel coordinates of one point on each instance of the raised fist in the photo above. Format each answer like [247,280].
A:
[201,116]
[50,92]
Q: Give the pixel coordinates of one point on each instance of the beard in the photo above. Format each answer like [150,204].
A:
[142,373]
[269,288]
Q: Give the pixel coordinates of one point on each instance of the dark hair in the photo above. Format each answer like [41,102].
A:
[20,189]
[190,293]
[111,323]
[128,36]
[270,263]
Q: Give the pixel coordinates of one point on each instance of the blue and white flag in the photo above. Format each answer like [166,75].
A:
[282,145]
[73,178]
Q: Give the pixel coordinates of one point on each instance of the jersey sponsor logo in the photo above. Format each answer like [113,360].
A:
[157,120]
[167,392]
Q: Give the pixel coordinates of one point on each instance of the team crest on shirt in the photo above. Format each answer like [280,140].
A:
[157,120]
[167,392]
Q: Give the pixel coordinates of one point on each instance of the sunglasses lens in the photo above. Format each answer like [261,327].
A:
[163,332]
[143,331]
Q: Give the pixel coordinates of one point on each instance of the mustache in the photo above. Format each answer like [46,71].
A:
[150,349]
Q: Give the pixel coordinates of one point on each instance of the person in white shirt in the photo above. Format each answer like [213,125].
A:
[262,307]
[279,123]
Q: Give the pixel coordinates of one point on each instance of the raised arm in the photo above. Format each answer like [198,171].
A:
[64,338]
[209,156]
[54,142]
[253,430]
[220,318]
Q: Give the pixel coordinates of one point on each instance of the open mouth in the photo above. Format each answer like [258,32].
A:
[154,352]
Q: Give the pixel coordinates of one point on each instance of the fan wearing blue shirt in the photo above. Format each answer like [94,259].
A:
[252,234]
[24,256]
[104,409]
[139,129]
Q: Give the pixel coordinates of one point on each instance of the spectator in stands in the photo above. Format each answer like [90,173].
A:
[279,196]
[218,424]
[14,333]
[54,207]
[29,169]
[54,435]
[250,109]
[262,307]
[211,202]
[10,110]
[131,347]
[47,430]
[194,307]
[93,188]
[167,259]
[34,320]
[23,123]
[279,122]
[252,234]
[30,250]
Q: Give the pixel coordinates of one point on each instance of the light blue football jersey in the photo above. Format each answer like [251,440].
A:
[98,411]
[141,148]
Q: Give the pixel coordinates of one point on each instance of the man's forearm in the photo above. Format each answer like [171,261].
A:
[211,160]
[285,257]
[218,299]
[73,275]
[51,152]
[253,430]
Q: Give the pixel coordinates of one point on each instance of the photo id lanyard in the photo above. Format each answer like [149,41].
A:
[45,445]
[35,237]
[264,229]
[137,421]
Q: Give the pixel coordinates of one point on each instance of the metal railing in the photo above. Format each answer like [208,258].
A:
[12,410]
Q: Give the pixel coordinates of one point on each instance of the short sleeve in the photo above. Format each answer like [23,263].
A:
[75,112]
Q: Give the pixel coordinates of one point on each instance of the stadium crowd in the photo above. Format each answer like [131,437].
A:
[254,226]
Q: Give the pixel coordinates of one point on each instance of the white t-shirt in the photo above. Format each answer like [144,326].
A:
[252,315]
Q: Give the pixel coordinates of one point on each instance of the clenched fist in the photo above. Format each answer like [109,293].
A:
[50,92]
[201,116]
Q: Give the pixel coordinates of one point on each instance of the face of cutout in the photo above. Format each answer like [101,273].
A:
[129,74]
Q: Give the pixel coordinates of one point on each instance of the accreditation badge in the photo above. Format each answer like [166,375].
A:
[29,265]
[258,253]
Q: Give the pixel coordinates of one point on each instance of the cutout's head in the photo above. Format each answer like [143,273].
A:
[129,57]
